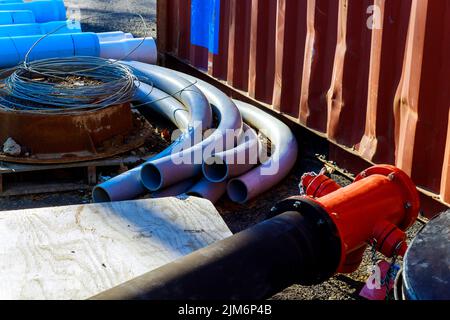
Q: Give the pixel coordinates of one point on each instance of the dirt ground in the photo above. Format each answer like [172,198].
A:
[116,15]
[108,15]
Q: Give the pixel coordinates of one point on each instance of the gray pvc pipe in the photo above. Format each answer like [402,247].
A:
[128,185]
[234,162]
[187,162]
[163,104]
[175,190]
[276,168]
[208,190]
[173,84]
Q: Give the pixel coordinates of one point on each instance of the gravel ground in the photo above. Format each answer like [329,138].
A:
[106,15]
[116,15]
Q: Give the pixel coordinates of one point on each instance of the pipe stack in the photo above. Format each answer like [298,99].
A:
[227,160]
[43,26]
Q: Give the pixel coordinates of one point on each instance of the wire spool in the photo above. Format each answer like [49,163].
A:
[61,85]
[69,109]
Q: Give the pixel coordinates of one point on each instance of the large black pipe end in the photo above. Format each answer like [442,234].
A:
[324,241]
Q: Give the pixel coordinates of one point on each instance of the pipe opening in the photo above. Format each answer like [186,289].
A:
[151,177]
[237,191]
[215,171]
[99,195]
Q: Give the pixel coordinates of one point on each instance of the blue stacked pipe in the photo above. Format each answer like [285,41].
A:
[43,10]
[28,29]
[10,17]
[15,49]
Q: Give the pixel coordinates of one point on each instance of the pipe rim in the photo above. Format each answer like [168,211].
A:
[214,171]
[151,177]
[237,191]
[100,195]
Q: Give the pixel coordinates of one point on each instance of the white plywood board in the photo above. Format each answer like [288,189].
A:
[76,252]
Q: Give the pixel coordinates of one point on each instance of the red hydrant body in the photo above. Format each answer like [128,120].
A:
[380,205]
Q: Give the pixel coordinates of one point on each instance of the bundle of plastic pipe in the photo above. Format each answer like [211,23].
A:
[169,92]
[43,10]
[16,17]
[14,49]
[28,29]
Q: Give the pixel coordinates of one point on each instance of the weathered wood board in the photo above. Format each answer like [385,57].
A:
[76,252]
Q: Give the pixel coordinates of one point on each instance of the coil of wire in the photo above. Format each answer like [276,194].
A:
[63,85]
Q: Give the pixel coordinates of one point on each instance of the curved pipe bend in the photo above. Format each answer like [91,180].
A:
[128,185]
[172,84]
[175,190]
[276,168]
[163,104]
[186,161]
[234,162]
[208,190]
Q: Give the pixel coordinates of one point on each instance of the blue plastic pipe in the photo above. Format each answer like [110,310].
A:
[11,1]
[14,49]
[44,10]
[16,17]
[54,27]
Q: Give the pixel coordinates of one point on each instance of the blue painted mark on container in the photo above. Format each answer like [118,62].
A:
[205,24]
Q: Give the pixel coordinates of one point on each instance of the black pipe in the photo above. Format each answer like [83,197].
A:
[298,246]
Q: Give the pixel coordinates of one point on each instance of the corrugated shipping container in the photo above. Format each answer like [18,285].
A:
[371,75]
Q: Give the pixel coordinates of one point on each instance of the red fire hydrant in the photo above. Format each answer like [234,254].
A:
[377,208]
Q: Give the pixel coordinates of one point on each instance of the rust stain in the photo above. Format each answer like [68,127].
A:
[53,138]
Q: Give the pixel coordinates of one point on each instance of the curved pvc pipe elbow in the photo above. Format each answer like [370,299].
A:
[208,190]
[276,168]
[163,104]
[128,185]
[186,161]
[170,84]
[125,186]
[234,162]
[181,89]
[175,190]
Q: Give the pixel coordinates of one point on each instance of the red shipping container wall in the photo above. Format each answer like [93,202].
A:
[370,75]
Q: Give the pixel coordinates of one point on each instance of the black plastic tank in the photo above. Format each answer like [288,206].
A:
[426,268]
